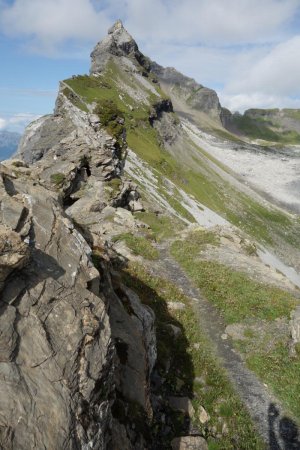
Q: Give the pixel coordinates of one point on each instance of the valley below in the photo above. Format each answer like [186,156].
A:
[272,171]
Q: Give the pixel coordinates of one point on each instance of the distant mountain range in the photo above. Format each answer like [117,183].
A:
[8,143]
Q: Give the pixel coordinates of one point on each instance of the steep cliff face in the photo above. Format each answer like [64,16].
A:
[187,94]
[77,346]
[56,343]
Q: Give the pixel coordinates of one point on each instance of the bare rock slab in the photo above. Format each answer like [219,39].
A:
[189,443]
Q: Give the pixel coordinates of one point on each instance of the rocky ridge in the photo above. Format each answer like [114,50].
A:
[74,334]
[61,335]
[71,350]
[79,346]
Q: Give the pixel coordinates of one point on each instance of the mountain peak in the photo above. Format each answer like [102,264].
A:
[117,43]
[118,25]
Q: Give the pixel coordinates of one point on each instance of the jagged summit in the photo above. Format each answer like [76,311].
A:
[118,25]
[121,48]
[117,43]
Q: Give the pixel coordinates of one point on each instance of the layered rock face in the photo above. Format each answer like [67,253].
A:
[56,338]
[186,91]
[77,347]
[64,329]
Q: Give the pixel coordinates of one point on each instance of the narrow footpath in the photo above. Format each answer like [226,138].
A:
[278,430]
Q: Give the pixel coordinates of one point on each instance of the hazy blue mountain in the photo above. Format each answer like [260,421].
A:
[8,143]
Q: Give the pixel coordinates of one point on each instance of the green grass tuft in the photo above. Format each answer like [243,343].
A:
[139,245]
[57,178]
[162,226]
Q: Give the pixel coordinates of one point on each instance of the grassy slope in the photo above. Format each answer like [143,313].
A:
[242,300]
[139,245]
[265,224]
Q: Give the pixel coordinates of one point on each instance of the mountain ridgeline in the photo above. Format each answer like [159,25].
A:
[149,292]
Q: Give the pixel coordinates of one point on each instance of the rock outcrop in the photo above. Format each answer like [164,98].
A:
[77,347]
[118,43]
[70,349]
[186,91]
[56,339]
[295,333]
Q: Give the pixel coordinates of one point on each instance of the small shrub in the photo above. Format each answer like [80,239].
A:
[297,348]
[18,164]
[111,117]
[114,185]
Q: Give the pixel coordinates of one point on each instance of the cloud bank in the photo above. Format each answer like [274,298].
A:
[17,122]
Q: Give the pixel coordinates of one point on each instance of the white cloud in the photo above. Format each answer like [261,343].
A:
[17,122]
[47,24]
[2,123]
[278,72]
[210,21]
[266,79]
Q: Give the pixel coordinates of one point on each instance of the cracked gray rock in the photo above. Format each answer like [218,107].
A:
[59,362]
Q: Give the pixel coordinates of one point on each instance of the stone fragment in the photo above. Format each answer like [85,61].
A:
[225,429]
[14,253]
[11,212]
[189,443]
[204,417]
[176,331]
[176,306]
[294,332]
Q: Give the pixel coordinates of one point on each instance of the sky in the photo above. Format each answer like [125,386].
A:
[247,50]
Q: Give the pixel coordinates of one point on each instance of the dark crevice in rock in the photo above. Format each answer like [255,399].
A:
[122,350]
[80,178]
[22,220]
[9,185]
